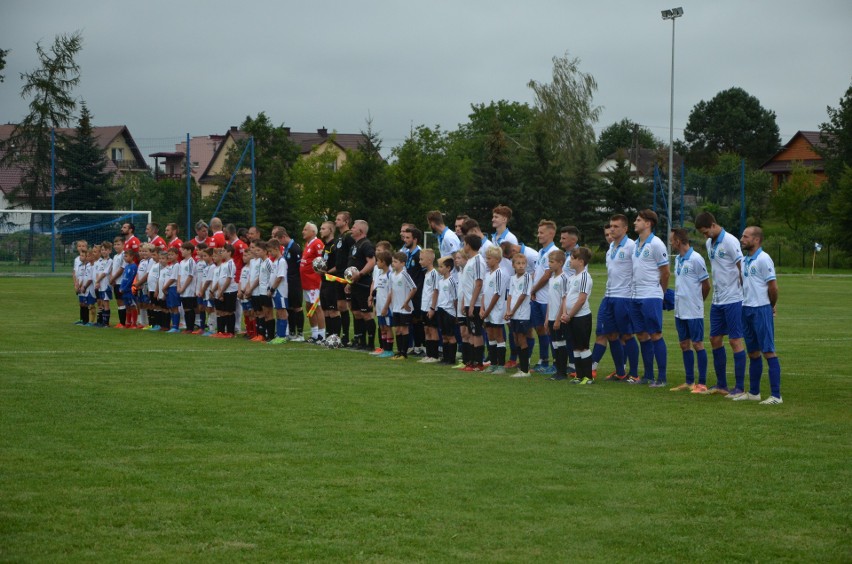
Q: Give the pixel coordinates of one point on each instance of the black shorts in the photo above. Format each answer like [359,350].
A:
[328,295]
[188,303]
[446,323]
[580,330]
[401,319]
[229,302]
[433,322]
[360,298]
[556,334]
[474,323]
[340,289]
[116,291]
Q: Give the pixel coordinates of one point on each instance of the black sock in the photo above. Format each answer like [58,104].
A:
[501,354]
[419,334]
[450,352]
[343,328]
[478,354]
[270,329]
[189,316]
[492,354]
[358,325]
[387,345]
[203,323]
[84,314]
[122,315]
[220,323]
[432,348]
[370,330]
[524,360]
[106,317]
[402,345]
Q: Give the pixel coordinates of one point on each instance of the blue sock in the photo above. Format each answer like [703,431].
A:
[598,352]
[661,355]
[702,367]
[739,369]
[755,371]
[774,376]
[176,321]
[617,351]
[281,327]
[631,353]
[530,345]
[544,349]
[720,364]
[647,348]
[689,365]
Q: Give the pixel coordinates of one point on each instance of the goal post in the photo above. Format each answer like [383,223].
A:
[43,241]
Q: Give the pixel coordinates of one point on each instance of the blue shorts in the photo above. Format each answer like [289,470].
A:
[727,320]
[172,297]
[143,298]
[520,326]
[759,329]
[615,318]
[537,313]
[246,305]
[105,295]
[128,298]
[690,329]
[385,320]
[82,298]
[91,300]
[279,301]
[599,328]
[646,315]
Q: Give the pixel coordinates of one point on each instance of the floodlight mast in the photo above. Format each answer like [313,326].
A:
[672,14]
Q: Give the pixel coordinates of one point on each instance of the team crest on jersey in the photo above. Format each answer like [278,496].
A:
[354,251]
[621,254]
[646,253]
[339,243]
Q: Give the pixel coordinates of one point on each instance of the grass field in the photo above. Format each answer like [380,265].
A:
[124,445]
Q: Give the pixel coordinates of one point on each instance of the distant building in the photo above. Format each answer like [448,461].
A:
[641,162]
[800,148]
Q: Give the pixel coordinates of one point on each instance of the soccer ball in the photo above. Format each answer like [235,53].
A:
[319,264]
[350,273]
[333,342]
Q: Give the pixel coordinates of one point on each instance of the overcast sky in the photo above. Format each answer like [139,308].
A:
[165,69]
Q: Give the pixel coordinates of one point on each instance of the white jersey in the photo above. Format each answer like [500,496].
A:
[690,271]
[117,266]
[381,281]
[186,270]
[448,242]
[266,269]
[401,285]
[228,270]
[505,237]
[648,258]
[102,267]
[89,277]
[495,284]
[474,269]
[254,276]
[725,254]
[758,271]
[556,288]
[579,283]
[243,283]
[520,286]
[280,273]
[532,259]
[201,268]
[447,295]
[165,276]
[78,263]
[619,269]
[80,273]
[541,266]
[566,268]
[142,271]
[213,277]
[154,277]
[430,286]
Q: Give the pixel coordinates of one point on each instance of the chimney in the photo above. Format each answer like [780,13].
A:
[234,128]
[287,131]
[322,132]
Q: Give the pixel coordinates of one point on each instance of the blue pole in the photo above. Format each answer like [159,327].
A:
[682,189]
[188,190]
[231,181]
[656,174]
[742,197]
[253,188]
[53,200]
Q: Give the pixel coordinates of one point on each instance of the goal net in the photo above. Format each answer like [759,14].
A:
[43,241]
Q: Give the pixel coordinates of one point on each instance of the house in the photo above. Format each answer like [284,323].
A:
[123,156]
[309,144]
[801,148]
[201,151]
[641,162]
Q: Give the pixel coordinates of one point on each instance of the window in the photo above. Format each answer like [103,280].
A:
[117,154]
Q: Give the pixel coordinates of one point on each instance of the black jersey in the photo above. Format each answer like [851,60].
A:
[343,246]
[360,253]
[292,253]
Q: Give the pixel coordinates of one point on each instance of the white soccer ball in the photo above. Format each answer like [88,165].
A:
[333,341]
[350,273]
[319,264]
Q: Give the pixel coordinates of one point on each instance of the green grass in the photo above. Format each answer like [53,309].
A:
[122,445]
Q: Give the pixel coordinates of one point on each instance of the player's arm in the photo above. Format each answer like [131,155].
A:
[541,283]
[406,305]
[509,310]
[433,307]
[559,313]
[772,292]
[665,274]
[486,311]
[386,307]
[705,289]
[581,299]
[474,297]
[114,278]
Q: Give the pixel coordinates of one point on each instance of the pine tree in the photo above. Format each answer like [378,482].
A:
[82,170]
[586,200]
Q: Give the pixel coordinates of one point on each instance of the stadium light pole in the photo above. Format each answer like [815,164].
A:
[672,15]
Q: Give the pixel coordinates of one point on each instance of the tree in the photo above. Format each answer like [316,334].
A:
[82,170]
[51,106]
[585,200]
[794,200]
[317,186]
[623,194]
[566,104]
[3,53]
[836,150]
[733,121]
[623,135]
[494,179]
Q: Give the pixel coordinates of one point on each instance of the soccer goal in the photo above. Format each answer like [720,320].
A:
[43,241]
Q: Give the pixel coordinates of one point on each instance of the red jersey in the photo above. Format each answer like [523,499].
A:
[240,249]
[218,240]
[196,241]
[158,242]
[175,244]
[311,280]
[132,244]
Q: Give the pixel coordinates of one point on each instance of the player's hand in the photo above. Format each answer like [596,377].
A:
[557,324]
[565,318]
[347,289]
